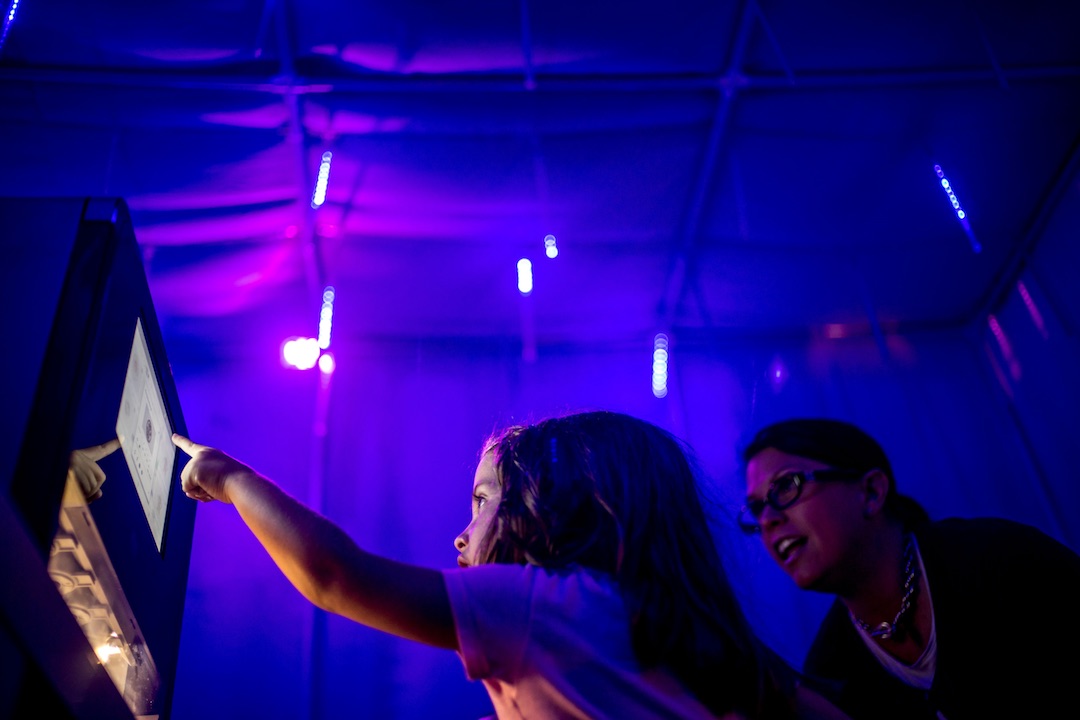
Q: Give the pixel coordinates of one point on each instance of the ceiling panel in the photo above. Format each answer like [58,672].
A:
[707,167]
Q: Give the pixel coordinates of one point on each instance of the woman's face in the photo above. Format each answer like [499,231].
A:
[816,539]
[486,494]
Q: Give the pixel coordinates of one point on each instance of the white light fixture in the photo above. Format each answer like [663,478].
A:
[319,196]
[524,276]
[551,249]
[300,352]
[961,215]
[327,364]
[326,317]
[660,365]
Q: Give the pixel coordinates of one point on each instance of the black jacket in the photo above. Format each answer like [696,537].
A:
[1006,601]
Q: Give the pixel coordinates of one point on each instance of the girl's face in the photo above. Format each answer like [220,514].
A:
[486,494]
[816,538]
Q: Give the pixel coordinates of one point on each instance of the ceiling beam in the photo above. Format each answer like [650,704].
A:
[297,140]
[684,252]
[526,48]
[274,83]
[1011,271]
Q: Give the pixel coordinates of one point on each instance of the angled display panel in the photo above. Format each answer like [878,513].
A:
[100,527]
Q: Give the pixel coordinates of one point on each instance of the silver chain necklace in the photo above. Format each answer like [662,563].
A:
[886,630]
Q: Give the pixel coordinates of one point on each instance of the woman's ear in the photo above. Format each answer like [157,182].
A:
[875,490]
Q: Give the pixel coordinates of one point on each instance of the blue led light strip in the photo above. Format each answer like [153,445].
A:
[961,215]
[9,20]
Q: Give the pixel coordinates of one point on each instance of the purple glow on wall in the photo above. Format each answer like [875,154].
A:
[1033,309]
[999,373]
[1005,346]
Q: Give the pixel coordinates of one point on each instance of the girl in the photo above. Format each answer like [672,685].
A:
[589,583]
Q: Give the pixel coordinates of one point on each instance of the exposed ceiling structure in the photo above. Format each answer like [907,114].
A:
[725,172]
[710,169]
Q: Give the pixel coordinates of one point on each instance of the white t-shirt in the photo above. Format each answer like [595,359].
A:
[556,645]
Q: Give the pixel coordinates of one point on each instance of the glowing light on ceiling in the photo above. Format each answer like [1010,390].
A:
[303,353]
[551,249]
[778,374]
[300,352]
[660,365]
[319,195]
[9,20]
[960,213]
[327,364]
[326,317]
[524,276]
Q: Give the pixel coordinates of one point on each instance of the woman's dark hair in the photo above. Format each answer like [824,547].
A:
[839,444]
[613,493]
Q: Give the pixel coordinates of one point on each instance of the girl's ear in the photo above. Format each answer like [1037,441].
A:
[875,490]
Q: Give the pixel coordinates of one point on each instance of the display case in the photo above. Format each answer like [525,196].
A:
[96,571]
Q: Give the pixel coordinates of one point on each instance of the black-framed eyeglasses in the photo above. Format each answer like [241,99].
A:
[785,491]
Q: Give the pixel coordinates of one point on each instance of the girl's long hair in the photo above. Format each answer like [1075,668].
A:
[614,493]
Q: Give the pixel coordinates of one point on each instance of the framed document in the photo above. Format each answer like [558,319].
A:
[146,435]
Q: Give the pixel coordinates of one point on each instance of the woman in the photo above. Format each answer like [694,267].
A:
[959,618]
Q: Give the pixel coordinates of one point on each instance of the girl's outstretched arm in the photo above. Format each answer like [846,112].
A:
[318,557]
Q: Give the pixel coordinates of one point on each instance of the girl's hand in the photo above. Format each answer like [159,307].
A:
[207,474]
